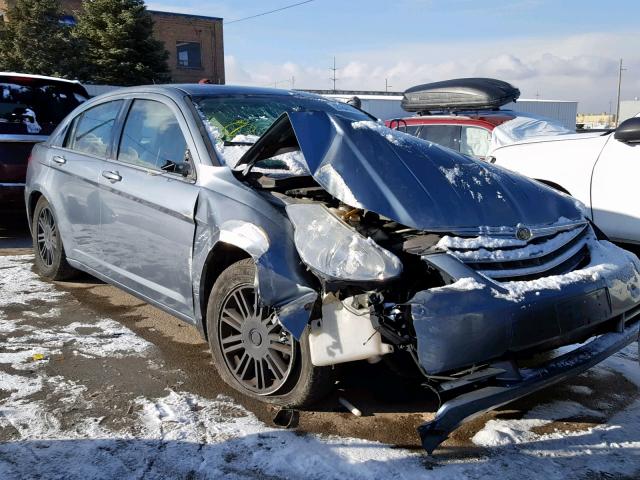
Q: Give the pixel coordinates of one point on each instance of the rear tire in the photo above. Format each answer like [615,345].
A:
[252,352]
[49,256]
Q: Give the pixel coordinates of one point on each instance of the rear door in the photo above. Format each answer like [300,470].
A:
[73,190]
[147,206]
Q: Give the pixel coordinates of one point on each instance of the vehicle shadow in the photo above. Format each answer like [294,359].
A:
[14,229]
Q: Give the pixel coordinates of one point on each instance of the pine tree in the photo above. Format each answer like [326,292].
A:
[118,47]
[35,41]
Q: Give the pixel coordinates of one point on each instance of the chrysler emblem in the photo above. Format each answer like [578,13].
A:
[523,233]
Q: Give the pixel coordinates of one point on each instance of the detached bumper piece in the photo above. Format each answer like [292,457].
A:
[512,384]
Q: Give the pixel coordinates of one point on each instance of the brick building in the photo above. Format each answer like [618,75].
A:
[194,42]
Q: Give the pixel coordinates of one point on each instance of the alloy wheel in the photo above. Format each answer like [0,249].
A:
[47,236]
[258,352]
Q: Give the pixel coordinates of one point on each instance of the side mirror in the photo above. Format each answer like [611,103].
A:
[184,168]
[628,131]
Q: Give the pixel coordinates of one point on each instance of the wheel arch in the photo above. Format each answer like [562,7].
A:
[219,258]
[34,196]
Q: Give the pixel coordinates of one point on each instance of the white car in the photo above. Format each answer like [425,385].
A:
[602,170]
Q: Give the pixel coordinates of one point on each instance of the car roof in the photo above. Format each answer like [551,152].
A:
[477,119]
[491,117]
[196,89]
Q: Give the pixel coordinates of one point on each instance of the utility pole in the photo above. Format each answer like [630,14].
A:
[620,69]
[333,77]
[386,85]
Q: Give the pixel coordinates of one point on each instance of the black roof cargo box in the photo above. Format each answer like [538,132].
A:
[459,94]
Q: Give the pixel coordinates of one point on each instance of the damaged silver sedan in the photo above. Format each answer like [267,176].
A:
[298,233]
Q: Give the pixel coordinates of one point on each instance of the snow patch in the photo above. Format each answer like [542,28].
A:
[580,389]
[461,285]
[392,136]
[528,251]
[19,285]
[105,338]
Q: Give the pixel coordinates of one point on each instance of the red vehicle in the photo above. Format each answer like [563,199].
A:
[463,114]
[468,133]
[31,106]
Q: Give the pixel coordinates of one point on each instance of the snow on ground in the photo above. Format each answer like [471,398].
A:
[182,435]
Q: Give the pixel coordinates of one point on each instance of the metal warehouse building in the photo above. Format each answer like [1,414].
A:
[386,105]
[629,108]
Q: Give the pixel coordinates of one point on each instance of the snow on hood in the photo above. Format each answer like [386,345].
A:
[409,180]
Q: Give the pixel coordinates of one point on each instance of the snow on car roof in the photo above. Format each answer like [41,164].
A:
[524,126]
[39,77]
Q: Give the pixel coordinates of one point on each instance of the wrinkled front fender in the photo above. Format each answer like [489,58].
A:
[246,220]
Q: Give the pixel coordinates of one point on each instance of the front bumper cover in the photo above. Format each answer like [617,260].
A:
[488,330]
[454,412]
[457,329]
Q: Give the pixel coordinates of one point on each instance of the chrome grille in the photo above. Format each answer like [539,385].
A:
[554,254]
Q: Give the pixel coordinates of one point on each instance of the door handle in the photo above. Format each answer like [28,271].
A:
[111,176]
[59,160]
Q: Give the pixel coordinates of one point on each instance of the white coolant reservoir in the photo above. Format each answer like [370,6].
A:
[344,335]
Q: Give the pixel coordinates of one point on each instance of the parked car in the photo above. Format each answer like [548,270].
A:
[31,106]
[478,133]
[463,114]
[599,169]
[297,233]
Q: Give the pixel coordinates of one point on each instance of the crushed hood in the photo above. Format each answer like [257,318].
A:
[412,181]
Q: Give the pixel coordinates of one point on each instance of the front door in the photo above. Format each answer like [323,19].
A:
[147,216]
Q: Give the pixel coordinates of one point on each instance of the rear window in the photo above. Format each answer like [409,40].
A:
[444,135]
[36,106]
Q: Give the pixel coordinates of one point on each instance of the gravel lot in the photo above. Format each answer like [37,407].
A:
[95,383]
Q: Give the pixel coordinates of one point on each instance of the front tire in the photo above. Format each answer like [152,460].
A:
[49,256]
[251,350]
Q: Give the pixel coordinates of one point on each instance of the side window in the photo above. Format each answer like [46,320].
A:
[475,141]
[91,132]
[152,137]
[445,135]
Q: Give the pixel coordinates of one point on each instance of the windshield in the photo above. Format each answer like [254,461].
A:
[244,118]
[235,122]
[36,106]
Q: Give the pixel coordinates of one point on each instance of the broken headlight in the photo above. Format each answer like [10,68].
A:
[333,249]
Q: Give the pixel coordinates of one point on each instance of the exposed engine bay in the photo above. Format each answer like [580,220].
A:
[418,255]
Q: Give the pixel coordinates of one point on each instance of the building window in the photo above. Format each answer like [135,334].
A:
[189,55]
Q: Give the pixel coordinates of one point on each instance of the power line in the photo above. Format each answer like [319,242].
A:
[267,13]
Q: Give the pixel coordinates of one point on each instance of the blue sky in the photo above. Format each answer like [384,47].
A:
[554,49]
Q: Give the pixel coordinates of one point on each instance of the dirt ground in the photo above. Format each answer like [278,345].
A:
[392,409]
